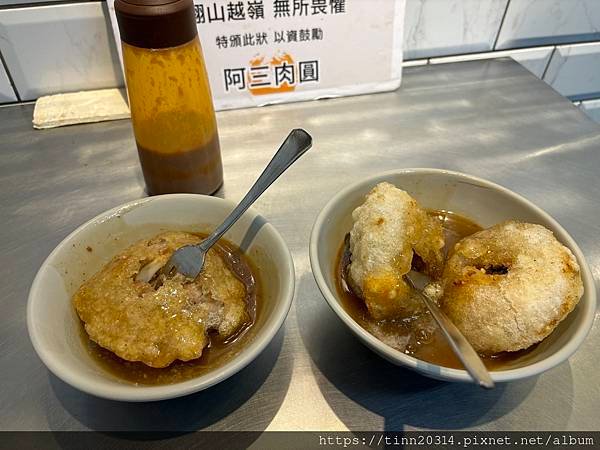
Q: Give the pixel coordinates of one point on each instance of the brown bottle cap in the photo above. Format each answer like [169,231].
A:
[156,23]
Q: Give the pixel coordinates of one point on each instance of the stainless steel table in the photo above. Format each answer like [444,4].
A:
[492,119]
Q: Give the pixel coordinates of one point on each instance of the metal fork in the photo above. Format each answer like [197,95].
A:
[458,342]
[189,260]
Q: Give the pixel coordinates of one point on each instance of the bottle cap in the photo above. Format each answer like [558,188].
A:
[156,23]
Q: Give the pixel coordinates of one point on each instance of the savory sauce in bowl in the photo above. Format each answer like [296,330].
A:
[219,350]
[417,336]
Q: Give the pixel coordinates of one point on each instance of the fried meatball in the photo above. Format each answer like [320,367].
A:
[156,327]
[507,287]
[389,228]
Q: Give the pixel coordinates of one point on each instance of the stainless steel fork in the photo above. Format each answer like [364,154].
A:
[189,260]
[458,342]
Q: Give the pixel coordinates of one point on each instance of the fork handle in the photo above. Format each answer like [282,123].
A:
[458,342]
[294,146]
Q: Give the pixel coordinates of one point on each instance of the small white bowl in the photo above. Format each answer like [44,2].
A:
[487,204]
[54,326]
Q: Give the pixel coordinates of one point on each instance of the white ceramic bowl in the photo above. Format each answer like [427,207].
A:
[54,326]
[487,204]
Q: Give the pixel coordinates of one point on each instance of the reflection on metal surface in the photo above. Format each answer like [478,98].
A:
[487,118]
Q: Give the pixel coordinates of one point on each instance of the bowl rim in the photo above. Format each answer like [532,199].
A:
[143,393]
[441,372]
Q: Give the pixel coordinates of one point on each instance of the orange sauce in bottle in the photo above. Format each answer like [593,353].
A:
[171,105]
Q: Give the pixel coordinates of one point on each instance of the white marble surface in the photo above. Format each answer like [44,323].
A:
[58,48]
[574,71]
[592,109]
[448,27]
[7,94]
[542,22]
[535,60]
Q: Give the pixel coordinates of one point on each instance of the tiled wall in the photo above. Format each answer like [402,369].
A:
[557,40]
[58,47]
[63,45]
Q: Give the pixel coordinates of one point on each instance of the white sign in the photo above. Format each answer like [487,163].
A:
[261,52]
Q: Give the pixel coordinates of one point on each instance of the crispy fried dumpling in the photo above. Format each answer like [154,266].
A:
[389,229]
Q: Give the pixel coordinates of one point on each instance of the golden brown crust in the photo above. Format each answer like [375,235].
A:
[389,228]
[159,326]
[507,287]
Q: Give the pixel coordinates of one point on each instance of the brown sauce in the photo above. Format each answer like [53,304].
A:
[407,335]
[219,350]
[197,170]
